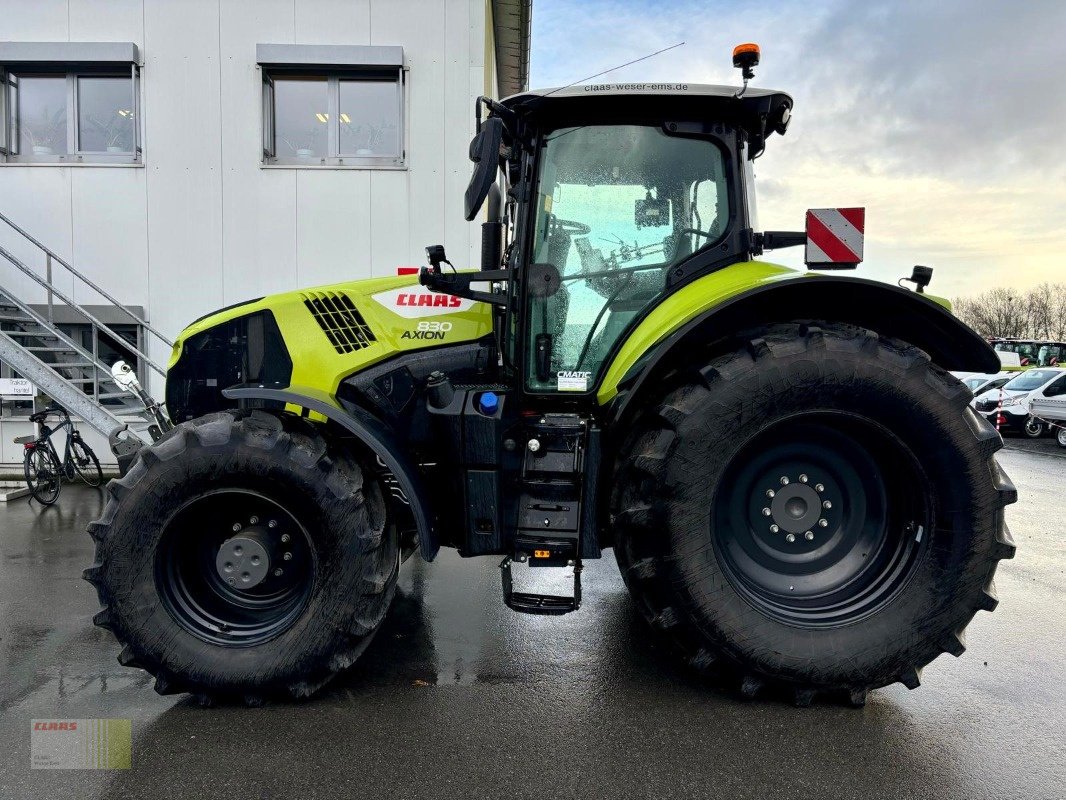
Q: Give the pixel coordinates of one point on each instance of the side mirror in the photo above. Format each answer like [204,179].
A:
[485,153]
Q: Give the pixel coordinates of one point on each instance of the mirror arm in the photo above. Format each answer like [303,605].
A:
[773,240]
[458,284]
[499,109]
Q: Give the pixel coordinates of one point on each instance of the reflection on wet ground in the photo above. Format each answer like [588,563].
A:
[458,696]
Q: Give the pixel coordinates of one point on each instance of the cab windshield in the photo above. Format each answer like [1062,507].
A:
[617,206]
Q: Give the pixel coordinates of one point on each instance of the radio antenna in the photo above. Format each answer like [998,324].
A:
[612,69]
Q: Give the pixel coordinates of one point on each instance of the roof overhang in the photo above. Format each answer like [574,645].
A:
[759,112]
[24,53]
[328,55]
[511,25]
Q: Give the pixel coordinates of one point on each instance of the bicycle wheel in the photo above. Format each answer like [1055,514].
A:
[86,464]
[44,476]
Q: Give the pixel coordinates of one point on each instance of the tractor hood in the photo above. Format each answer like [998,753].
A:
[313,337]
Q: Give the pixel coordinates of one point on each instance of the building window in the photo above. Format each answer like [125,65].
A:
[343,118]
[65,116]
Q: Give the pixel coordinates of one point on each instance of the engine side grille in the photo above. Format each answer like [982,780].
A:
[340,319]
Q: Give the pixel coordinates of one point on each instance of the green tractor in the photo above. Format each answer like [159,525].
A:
[796,491]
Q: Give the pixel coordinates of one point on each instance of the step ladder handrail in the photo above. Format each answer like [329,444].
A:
[91,284]
[70,302]
[50,330]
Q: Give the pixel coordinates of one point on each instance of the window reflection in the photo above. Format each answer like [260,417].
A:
[301,108]
[369,118]
[42,115]
[105,116]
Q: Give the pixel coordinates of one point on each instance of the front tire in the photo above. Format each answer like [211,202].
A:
[1060,436]
[243,556]
[1033,428]
[819,511]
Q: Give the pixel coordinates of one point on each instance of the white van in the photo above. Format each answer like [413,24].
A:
[1017,394]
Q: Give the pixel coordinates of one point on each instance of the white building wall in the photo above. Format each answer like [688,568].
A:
[202,224]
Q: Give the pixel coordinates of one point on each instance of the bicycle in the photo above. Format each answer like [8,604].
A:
[43,470]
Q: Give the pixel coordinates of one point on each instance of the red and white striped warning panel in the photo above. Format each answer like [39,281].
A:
[834,235]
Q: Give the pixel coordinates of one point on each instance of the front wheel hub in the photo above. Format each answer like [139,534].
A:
[243,561]
[235,566]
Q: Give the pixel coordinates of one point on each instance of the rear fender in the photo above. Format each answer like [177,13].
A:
[884,309]
[371,432]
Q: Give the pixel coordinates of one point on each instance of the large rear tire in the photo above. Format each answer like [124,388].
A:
[243,557]
[819,511]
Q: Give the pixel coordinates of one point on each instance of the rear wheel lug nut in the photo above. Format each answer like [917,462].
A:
[285,537]
[822,523]
[236,526]
[769,492]
[790,538]
[819,488]
[287,556]
[253,521]
[803,478]
[827,505]
[809,535]
[766,512]
[277,572]
[774,529]
[784,480]
[272,524]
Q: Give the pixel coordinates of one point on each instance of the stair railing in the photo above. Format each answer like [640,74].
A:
[96,324]
[48,284]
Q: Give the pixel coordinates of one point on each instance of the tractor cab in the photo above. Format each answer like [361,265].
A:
[617,195]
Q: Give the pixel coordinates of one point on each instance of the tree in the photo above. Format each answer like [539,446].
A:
[1039,313]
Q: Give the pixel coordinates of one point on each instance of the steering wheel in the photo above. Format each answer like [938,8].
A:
[572,227]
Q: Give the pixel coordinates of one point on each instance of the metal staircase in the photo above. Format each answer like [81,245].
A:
[33,345]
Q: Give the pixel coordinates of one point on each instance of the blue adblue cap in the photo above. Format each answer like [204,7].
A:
[488,403]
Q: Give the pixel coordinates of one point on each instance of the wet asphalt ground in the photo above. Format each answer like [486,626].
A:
[460,697]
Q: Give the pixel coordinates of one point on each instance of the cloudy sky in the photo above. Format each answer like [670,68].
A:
[946,119]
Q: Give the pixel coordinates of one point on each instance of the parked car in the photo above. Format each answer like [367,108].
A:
[1017,395]
[979,383]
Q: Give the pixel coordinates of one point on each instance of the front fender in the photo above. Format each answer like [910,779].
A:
[714,312]
[371,432]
